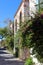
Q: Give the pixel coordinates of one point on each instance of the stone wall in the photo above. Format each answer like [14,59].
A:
[24,53]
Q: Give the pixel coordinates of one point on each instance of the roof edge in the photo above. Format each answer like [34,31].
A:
[18,8]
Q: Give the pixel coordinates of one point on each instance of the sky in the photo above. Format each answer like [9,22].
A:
[8,9]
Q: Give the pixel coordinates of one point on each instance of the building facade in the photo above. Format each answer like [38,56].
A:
[24,13]
[26,10]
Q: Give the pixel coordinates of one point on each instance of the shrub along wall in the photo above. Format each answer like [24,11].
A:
[31,35]
[22,40]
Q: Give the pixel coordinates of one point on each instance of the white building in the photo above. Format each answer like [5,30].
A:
[25,10]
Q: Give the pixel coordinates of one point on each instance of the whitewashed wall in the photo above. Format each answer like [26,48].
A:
[32,7]
[26,11]
[18,15]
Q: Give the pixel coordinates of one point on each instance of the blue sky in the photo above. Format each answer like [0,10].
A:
[7,10]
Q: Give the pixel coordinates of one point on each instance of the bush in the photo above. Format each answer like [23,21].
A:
[29,62]
[39,58]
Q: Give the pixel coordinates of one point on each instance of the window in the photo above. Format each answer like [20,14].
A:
[16,25]
[20,18]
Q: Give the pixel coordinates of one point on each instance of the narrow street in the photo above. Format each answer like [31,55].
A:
[8,59]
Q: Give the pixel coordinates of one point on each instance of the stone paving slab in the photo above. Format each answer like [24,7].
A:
[8,59]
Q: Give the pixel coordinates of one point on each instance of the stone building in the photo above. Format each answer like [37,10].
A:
[24,13]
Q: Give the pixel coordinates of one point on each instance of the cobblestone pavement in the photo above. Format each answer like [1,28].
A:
[8,59]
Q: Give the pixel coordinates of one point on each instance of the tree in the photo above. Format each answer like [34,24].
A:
[7,36]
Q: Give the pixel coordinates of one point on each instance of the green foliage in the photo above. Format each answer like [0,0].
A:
[26,35]
[37,38]
[39,58]
[8,36]
[18,39]
[3,32]
[41,10]
[29,62]
[23,36]
[10,42]
[30,34]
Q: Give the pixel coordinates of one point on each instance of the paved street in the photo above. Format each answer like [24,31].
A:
[8,59]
